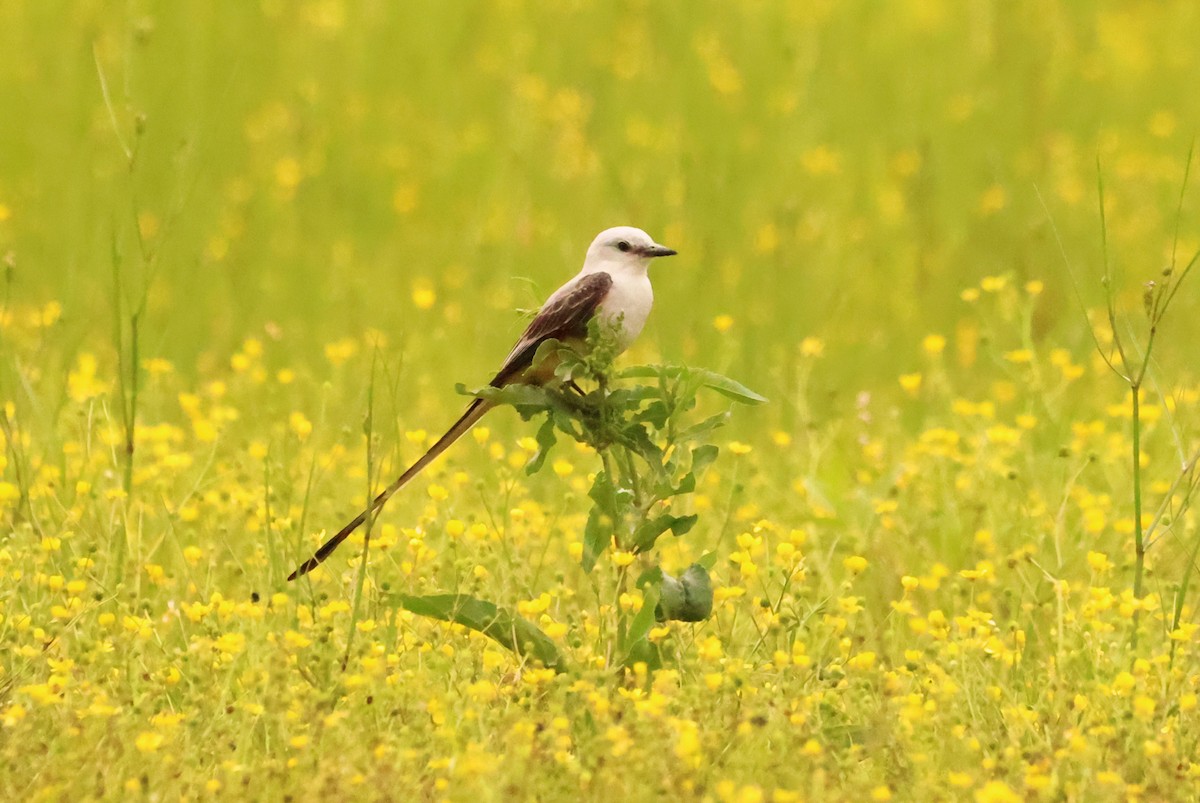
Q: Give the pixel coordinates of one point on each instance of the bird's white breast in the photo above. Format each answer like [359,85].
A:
[627,305]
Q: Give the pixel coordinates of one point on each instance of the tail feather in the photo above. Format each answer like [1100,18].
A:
[473,413]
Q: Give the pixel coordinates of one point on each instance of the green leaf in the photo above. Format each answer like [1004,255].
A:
[728,387]
[545,442]
[636,437]
[703,457]
[597,534]
[604,494]
[655,414]
[602,518]
[637,647]
[687,599]
[649,532]
[708,560]
[653,575]
[710,379]
[515,395]
[685,486]
[701,430]
[506,629]
[548,350]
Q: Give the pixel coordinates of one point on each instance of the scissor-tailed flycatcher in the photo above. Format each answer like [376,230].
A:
[613,283]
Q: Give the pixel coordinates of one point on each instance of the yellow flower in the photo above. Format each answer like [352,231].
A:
[1162,124]
[622,559]
[406,198]
[766,241]
[300,425]
[423,295]
[1099,562]
[933,344]
[821,161]
[812,347]
[287,173]
[997,792]
[149,741]
[1019,356]
[231,643]
[723,323]
[994,199]
[862,661]
[710,649]
[855,564]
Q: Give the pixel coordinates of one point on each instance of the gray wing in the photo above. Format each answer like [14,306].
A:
[561,318]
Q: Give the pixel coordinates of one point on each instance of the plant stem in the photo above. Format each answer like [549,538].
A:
[1139,536]
[360,580]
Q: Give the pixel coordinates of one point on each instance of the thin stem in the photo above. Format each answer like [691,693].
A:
[1181,596]
[360,580]
[1138,534]
[272,552]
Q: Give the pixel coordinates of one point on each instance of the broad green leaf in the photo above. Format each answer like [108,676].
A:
[710,379]
[545,442]
[685,486]
[649,532]
[637,647]
[513,632]
[728,387]
[651,576]
[701,430]
[636,437]
[703,457]
[655,414]
[548,350]
[604,494]
[688,598]
[708,560]
[516,395]
[597,534]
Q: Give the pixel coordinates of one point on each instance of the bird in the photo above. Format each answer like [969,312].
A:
[614,284]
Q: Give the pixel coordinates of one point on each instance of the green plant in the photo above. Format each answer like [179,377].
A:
[652,452]
[1130,359]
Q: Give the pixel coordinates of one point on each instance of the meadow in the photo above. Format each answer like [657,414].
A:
[250,249]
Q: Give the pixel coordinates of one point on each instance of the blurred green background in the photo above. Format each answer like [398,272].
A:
[303,172]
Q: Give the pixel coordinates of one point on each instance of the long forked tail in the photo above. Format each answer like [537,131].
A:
[473,413]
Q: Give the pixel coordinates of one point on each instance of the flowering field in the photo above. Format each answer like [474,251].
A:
[249,250]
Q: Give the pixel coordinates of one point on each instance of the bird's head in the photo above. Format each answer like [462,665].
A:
[624,247]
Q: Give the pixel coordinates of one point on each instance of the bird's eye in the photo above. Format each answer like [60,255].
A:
[622,246]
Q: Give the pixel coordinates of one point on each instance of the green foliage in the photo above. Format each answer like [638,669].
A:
[631,498]
[505,628]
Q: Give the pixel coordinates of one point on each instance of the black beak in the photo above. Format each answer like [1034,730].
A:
[659,251]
